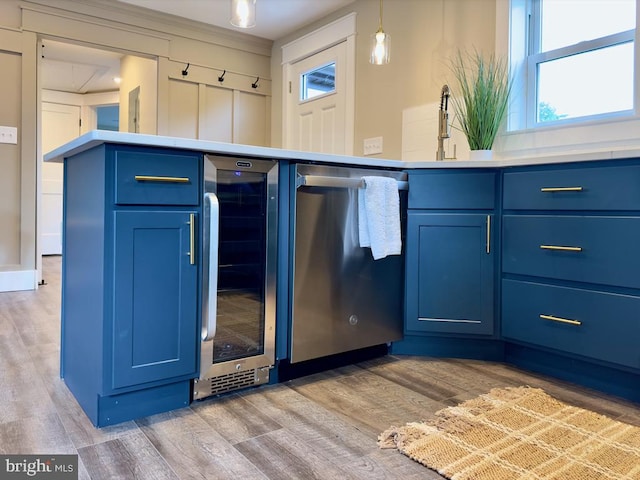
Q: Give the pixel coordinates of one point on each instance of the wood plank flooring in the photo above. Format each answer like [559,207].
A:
[323,426]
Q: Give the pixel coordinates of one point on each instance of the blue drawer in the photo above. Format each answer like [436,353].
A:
[609,248]
[437,189]
[152,178]
[583,188]
[604,326]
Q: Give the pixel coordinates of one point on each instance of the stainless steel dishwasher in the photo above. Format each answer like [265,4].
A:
[343,299]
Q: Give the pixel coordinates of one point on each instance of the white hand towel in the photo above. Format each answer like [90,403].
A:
[379,216]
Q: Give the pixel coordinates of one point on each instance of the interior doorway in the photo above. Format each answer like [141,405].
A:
[60,124]
[79,90]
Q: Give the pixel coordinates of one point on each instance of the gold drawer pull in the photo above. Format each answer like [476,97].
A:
[561,320]
[561,189]
[150,178]
[560,247]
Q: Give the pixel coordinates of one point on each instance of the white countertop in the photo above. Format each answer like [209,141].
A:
[97,137]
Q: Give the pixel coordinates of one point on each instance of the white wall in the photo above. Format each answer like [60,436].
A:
[143,73]
[87,103]
[424,35]
[10,165]
[111,25]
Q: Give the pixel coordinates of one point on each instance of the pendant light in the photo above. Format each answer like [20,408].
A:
[380,45]
[243,13]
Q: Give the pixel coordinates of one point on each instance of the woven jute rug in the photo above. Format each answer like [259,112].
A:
[520,433]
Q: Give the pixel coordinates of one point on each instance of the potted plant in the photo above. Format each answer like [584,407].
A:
[481,97]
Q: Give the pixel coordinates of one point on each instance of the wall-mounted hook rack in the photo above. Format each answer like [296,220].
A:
[255,84]
[185,72]
[221,77]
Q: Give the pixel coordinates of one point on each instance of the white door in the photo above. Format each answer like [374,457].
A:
[60,123]
[317,102]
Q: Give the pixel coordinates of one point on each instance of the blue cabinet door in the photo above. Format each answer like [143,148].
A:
[450,269]
[155,297]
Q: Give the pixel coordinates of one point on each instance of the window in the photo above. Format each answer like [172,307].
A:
[108,117]
[320,81]
[581,59]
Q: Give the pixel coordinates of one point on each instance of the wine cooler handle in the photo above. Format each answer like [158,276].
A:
[210,306]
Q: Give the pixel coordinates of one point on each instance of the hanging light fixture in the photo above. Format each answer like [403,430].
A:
[243,13]
[380,45]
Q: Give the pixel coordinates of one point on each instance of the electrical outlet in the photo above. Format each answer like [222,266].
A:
[372,145]
[8,135]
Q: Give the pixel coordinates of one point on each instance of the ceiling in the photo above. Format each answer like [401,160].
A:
[78,69]
[274,18]
[66,67]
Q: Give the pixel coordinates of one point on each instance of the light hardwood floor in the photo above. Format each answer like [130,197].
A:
[322,426]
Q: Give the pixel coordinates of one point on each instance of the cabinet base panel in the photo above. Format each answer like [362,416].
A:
[479,349]
[609,380]
[142,403]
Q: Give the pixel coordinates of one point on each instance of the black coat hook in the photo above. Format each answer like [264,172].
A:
[255,84]
[185,72]
[221,77]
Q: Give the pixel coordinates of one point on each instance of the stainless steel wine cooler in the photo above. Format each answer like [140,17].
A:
[239,277]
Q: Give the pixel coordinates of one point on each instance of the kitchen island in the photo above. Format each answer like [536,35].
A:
[132,293]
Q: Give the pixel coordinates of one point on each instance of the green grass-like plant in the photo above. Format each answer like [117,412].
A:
[482,96]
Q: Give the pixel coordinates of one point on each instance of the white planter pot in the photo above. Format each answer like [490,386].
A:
[481,155]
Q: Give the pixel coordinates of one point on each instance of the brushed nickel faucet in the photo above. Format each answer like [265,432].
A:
[443,125]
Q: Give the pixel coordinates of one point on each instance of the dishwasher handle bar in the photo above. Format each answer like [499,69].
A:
[338,182]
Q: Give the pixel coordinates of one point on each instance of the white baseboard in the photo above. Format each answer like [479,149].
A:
[18,280]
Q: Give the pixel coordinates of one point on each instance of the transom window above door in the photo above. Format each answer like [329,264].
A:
[317,82]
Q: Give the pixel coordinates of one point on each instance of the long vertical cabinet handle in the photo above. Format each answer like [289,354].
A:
[488,234]
[192,239]
[211,223]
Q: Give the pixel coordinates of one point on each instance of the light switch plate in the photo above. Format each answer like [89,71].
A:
[8,135]
[372,145]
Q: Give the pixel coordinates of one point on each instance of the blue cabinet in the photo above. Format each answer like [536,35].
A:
[450,273]
[570,265]
[450,252]
[595,186]
[155,301]
[130,280]
[592,324]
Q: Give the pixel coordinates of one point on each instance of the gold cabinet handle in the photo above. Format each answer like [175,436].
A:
[560,247]
[488,234]
[151,178]
[560,319]
[192,236]
[561,189]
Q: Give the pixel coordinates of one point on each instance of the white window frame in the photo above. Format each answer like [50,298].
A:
[538,57]
[304,87]
[601,135]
